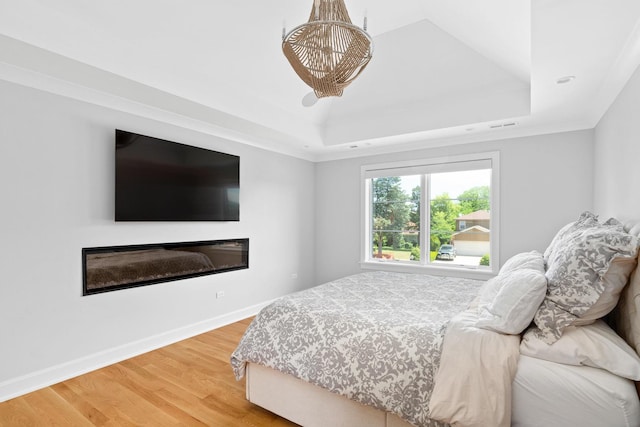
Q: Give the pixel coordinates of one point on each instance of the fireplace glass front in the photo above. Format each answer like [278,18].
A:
[120,267]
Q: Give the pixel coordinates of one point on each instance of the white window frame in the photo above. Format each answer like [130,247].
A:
[427,166]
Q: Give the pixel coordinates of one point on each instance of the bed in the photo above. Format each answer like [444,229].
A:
[530,347]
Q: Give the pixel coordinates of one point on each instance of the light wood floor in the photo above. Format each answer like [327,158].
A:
[189,383]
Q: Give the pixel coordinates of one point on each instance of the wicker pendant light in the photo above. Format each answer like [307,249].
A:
[328,52]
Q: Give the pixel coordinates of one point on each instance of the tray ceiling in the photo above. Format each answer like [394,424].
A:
[443,73]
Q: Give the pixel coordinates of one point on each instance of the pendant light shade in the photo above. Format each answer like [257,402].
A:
[328,52]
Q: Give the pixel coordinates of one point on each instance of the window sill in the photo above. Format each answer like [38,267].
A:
[480,273]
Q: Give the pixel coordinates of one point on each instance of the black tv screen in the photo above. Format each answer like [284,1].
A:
[159,180]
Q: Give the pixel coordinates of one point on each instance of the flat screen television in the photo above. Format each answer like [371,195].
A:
[159,180]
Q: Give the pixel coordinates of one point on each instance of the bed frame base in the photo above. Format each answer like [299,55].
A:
[309,405]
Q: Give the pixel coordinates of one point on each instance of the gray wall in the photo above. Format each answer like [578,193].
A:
[617,156]
[57,184]
[546,181]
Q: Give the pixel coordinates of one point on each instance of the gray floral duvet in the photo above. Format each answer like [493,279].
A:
[374,337]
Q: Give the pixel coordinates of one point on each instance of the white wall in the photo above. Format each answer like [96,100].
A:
[56,187]
[546,181]
[617,156]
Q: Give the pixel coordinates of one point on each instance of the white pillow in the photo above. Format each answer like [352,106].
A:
[519,261]
[488,291]
[523,260]
[595,345]
[519,295]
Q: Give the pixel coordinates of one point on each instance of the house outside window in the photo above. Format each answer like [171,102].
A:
[432,215]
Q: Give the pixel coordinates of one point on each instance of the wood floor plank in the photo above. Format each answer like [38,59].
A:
[198,408]
[17,413]
[189,383]
[52,411]
[89,411]
[150,393]
[117,401]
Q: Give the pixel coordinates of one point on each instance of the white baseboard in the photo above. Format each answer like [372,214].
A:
[46,377]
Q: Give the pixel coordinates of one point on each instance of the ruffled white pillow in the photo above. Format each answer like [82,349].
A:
[508,302]
[522,261]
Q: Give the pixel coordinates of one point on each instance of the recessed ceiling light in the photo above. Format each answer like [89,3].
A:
[565,79]
[502,125]
[353,146]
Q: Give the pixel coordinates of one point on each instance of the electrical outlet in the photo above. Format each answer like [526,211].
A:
[220,294]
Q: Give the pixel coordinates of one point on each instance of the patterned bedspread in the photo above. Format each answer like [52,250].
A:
[373,337]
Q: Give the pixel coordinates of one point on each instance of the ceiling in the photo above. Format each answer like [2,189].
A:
[443,72]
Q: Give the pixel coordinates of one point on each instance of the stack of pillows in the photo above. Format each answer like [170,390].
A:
[565,292]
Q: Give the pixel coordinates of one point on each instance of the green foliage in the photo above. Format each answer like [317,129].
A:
[434,243]
[474,199]
[441,227]
[389,201]
[398,243]
[391,204]
[443,220]
[379,225]
[396,215]
[484,260]
[415,253]
[443,205]
[412,238]
[414,216]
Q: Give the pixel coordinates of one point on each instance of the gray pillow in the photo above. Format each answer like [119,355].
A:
[575,274]
[585,220]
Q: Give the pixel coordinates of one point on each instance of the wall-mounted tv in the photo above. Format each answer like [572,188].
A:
[159,180]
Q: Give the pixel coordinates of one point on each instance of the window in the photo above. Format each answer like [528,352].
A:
[432,214]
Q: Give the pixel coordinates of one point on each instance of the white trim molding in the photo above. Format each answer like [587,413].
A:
[46,377]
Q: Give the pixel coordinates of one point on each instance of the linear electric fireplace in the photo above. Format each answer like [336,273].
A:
[120,267]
